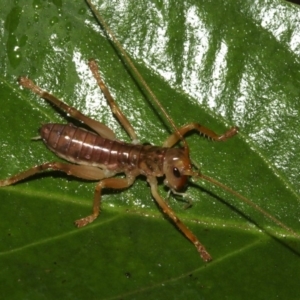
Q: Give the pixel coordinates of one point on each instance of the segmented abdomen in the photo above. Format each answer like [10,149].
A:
[80,146]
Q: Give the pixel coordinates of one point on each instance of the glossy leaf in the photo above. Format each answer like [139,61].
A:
[219,63]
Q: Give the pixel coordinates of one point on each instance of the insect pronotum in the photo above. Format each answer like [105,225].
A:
[97,155]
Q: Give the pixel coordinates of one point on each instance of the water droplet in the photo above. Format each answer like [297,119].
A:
[53,20]
[69,26]
[81,11]
[36,17]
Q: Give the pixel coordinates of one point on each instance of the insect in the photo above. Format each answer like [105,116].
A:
[98,156]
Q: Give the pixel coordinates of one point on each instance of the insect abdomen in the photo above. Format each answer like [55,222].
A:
[77,145]
[80,146]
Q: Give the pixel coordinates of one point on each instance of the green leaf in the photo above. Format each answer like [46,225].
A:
[219,63]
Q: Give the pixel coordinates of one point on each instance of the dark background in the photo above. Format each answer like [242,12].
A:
[295,1]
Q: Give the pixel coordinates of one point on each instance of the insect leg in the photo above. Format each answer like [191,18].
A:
[113,183]
[100,128]
[84,172]
[174,138]
[113,105]
[171,214]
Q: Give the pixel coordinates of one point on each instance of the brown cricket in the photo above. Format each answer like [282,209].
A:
[99,155]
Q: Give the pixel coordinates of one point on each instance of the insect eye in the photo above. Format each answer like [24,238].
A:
[176,172]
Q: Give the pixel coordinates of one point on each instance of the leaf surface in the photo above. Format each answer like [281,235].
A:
[219,63]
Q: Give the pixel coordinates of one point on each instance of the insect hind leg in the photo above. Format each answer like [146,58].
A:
[81,171]
[84,172]
[113,105]
[98,127]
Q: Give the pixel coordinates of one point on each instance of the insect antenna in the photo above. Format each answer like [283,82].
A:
[247,201]
[135,71]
